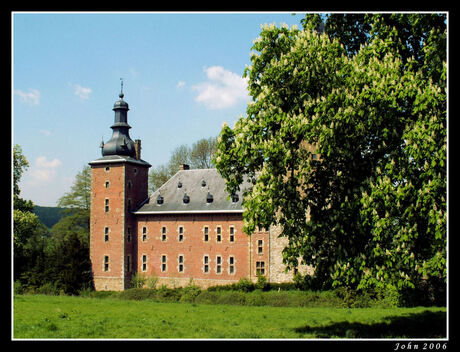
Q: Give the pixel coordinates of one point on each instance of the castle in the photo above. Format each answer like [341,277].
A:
[189,229]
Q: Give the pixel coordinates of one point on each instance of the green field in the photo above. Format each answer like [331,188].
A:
[40,316]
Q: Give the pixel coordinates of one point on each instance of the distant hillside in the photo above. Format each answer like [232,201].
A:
[48,215]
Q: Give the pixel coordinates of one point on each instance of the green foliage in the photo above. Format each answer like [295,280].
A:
[151,282]
[20,164]
[138,280]
[56,260]
[138,294]
[49,216]
[368,96]
[197,156]
[245,285]
[79,196]
[233,295]
[262,283]
[189,293]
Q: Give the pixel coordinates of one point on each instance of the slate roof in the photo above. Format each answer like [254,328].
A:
[119,159]
[191,185]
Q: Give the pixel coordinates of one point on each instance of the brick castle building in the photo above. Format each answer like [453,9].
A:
[188,229]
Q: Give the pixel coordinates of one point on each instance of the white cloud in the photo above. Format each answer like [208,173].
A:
[43,170]
[43,163]
[180,84]
[82,92]
[45,132]
[223,89]
[31,97]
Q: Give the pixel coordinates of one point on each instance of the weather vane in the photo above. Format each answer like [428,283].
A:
[121,94]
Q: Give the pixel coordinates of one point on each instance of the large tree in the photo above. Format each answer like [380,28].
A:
[29,234]
[346,135]
[68,251]
[79,196]
[198,156]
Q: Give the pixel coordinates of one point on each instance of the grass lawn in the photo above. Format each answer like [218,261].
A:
[39,316]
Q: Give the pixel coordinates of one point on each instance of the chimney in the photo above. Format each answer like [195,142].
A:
[137,148]
[184,167]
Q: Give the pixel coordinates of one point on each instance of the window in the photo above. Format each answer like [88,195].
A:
[129,204]
[206,264]
[163,263]
[219,234]
[130,184]
[128,263]
[128,234]
[106,234]
[232,234]
[107,168]
[260,268]
[260,247]
[144,234]
[180,261]
[106,263]
[107,183]
[163,234]
[218,264]
[231,265]
[181,233]
[206,234]
[144,262]
[106,208]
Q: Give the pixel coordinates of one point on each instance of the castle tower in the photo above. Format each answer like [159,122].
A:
[118,186]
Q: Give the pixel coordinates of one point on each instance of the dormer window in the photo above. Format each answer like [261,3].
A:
[203,183]
[209,198]
[160,199]
[235,198]
[179,185]
[186,199]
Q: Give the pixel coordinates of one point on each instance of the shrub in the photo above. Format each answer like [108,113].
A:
[137,294]
[207,297]
[138,280]
[388,297]
[328,299]
[98,294]
[18,288]
[166,294]
[279,299]
[151,282]
[245,285]
[48,289]
[262,283]
[255,298]
[189,293]
[232,297]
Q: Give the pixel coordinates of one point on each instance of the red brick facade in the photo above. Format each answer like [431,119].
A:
[204,243]
[112,226]
[207,248]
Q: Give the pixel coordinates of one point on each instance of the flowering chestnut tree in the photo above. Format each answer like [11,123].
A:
[347,150]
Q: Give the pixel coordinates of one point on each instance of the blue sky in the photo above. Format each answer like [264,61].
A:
[182,79]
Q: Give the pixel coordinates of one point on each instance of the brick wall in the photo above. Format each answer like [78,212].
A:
[137,243]
[112,186]
[178,252]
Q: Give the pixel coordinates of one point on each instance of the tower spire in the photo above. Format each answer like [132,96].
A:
[120,143]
